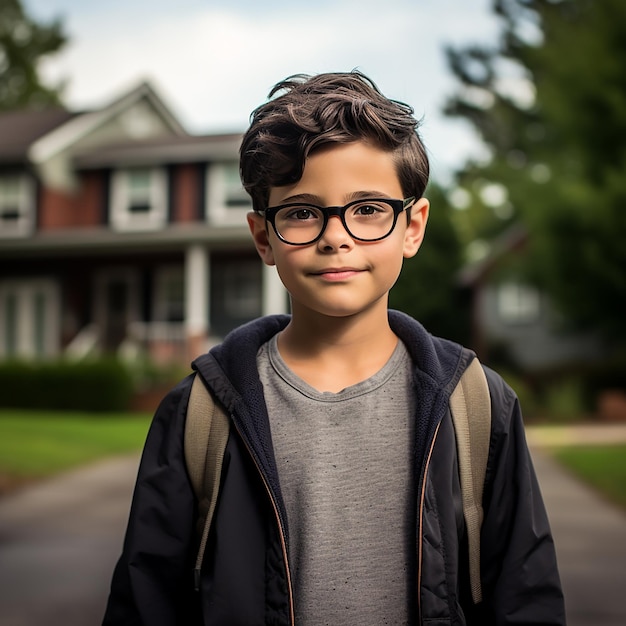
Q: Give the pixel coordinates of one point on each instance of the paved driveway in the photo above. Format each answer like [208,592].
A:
[59,542]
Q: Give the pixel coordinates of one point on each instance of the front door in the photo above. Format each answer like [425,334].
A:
[117,305]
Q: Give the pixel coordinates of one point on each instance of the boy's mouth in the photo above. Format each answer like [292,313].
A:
[337,273]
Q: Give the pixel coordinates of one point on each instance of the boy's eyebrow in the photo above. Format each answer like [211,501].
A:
[309,198]
[367,194]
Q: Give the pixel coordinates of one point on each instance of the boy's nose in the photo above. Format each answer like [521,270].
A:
[335,235]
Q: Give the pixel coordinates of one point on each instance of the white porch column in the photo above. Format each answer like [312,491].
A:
[274,293]
[196,291]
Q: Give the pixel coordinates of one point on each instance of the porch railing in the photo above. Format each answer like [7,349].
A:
[85,343]
[162,342]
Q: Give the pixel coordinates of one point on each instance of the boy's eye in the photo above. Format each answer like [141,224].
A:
[301,213]
[365,209]
[371,208]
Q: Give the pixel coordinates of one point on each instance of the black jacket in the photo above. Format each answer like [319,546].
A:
[245,577]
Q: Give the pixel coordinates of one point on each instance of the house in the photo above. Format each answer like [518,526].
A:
[121,232]
[513,321]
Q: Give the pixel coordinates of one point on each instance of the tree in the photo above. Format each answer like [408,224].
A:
[427,287]
[23,42]
[549,101]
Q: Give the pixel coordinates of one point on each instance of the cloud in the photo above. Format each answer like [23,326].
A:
[215,62]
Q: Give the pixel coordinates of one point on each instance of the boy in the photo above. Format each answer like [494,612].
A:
[339,500]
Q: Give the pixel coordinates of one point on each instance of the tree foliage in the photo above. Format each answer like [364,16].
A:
[23,43]
[549,102]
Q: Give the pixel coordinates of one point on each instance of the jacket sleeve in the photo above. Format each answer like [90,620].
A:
[152,582]
[518,560]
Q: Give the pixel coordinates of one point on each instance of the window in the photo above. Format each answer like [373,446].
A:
[227,201]
[139,199]
[29,318]
[518,303]
[139,191]
[235,196]
[16,204]
[242,295]
[140,121]
[169,295]
[236,292]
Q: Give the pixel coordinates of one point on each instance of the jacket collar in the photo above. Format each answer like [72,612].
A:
[439,363]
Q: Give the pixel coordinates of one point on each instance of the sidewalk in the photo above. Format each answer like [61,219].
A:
[590,538]
[59,540]
[589,533]
[546,436]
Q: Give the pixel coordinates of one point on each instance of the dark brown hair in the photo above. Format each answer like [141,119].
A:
[311,112]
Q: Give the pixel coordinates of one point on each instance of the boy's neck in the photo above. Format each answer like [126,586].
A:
[332,353]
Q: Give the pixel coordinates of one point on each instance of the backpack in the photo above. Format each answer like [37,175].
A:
[207,429]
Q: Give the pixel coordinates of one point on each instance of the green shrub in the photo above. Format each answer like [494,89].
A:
[525,393]
[93,385]
[148,375]
[564,400]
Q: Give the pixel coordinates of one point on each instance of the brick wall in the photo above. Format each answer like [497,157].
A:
[186,197]
[79,209]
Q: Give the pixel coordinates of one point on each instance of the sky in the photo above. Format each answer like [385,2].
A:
[214,61]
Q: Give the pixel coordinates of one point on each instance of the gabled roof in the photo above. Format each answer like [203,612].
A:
[65,135]
[161,150]
[20,129]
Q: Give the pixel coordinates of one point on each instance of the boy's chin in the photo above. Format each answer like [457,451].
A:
[339,311]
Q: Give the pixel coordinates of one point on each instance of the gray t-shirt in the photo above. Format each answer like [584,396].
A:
[345,464]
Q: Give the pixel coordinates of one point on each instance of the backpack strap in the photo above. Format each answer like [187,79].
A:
[470,405]
[206,434]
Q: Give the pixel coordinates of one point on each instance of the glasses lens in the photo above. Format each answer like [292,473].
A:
[370,219]
[299,223]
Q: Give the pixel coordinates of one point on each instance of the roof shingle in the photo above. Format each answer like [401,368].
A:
[20,129]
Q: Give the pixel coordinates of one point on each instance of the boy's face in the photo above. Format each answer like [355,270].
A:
[337,275]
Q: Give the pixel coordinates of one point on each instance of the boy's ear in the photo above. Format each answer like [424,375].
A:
[258,229]
[414,234]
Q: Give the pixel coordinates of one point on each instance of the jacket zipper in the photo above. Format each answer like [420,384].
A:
[281,530]
[421,524]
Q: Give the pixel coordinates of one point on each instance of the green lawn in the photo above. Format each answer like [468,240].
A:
[601,466]
[34,444]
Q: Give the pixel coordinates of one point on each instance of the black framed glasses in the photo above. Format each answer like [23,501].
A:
[367,219]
